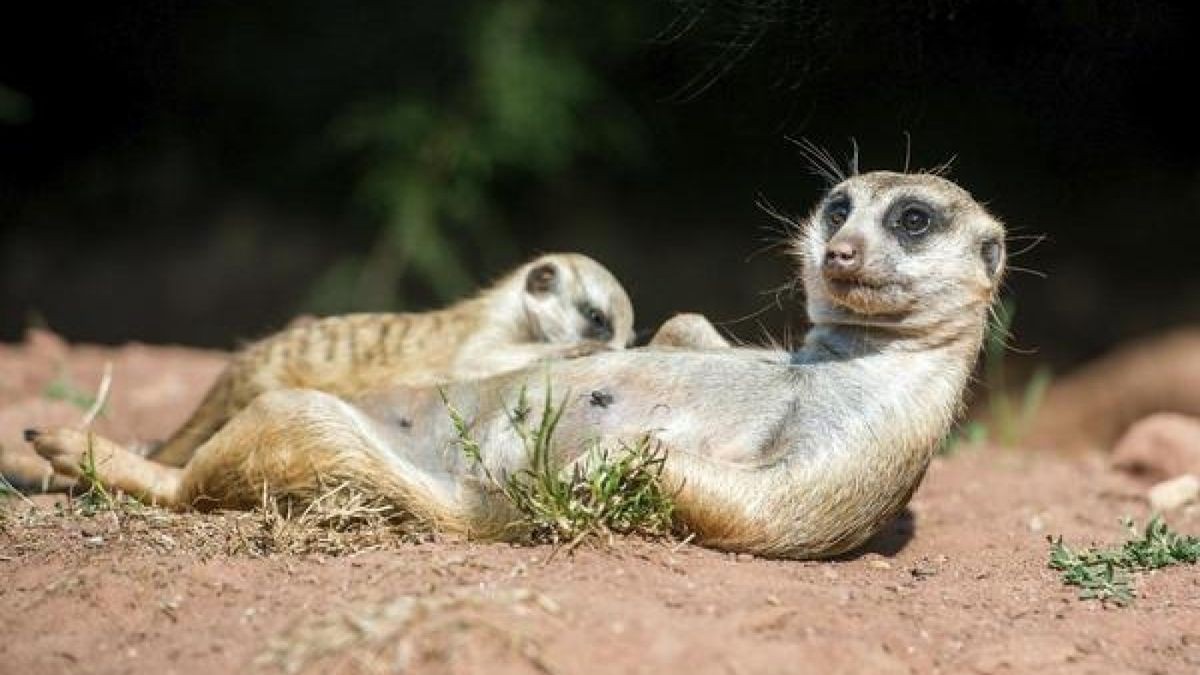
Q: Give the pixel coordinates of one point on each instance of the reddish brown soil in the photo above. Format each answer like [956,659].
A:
[959,584]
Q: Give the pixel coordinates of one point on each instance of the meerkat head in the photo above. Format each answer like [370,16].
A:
[570,297]
[903,250]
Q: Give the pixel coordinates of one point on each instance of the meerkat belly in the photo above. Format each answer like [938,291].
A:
[724,405]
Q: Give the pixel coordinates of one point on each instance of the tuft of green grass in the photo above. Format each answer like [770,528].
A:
[606,491]
[1107,574]
[1008,417]
[6,488]
[97,498]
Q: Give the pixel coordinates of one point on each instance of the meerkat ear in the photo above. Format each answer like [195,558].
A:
[542,279]
[992,253]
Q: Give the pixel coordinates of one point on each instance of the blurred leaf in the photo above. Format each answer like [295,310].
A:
[531,103]
[15,107]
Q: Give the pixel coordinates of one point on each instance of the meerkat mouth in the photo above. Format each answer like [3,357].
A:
[865,295]
[848,285]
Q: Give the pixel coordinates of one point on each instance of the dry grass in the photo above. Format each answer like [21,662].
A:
[340,521]
[337,523]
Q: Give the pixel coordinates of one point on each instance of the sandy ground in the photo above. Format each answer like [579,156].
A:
[958,584]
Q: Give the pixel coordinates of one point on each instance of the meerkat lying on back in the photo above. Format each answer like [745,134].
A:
[557,305]
[800,454]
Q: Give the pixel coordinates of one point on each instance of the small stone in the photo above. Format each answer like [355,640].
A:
[922,571]
[879,564]
[1172,494]
[1036,524]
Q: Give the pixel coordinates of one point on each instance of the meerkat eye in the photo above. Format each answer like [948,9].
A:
[915,220]
[838,212]
[596,317]
[599,325]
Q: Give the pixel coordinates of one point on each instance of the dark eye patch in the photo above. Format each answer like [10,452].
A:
[837,212]
[599,325]
[913,220]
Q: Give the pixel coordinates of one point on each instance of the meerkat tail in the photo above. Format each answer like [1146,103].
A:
[30,474]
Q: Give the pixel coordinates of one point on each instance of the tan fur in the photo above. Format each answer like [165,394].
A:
[506,327]
[796,454]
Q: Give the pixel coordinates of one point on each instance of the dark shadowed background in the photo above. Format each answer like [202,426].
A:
[201,172]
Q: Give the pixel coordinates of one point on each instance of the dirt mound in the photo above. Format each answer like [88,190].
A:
[1092,407]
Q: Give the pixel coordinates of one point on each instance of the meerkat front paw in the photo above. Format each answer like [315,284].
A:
[583,349]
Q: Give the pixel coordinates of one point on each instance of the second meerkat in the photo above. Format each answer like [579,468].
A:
[556,305]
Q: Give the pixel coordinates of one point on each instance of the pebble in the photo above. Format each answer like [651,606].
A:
[1172,494]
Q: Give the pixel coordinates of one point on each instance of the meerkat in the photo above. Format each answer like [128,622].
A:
[798,454]
[557,305]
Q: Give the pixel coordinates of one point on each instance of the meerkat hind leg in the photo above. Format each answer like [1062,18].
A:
[77,454]
[299,444]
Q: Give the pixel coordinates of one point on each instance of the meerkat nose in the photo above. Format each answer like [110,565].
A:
[842,257]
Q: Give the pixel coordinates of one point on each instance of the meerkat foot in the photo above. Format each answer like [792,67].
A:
[88,457]
[64,449]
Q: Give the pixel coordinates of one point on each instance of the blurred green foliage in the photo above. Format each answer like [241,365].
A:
[529,102]
[15,107]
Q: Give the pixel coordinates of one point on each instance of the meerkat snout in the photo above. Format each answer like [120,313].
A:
[843,257]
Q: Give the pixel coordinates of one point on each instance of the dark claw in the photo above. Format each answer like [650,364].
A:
[31,435]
